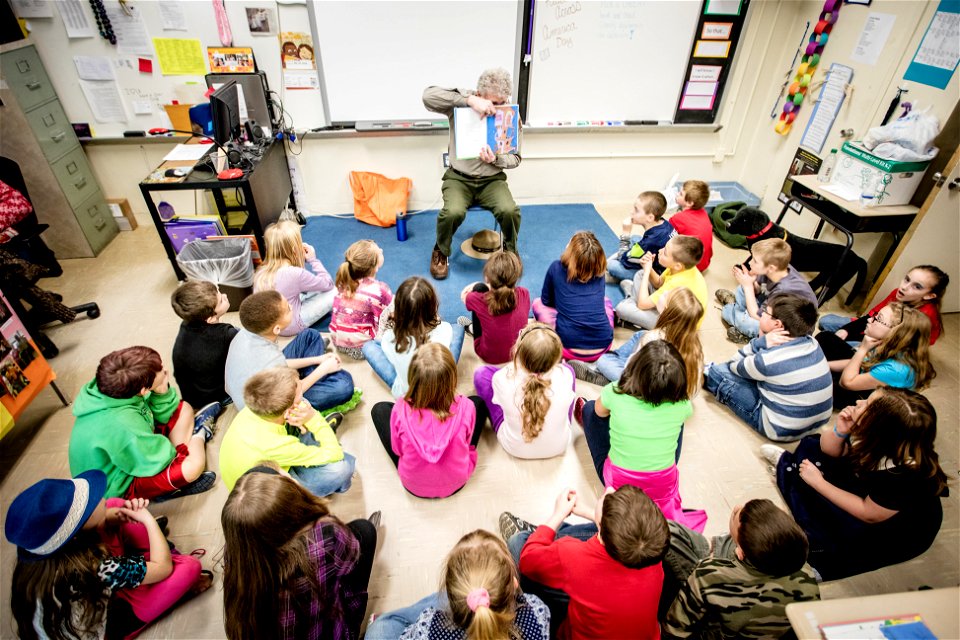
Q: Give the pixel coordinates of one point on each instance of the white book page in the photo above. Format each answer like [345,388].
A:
[469,133]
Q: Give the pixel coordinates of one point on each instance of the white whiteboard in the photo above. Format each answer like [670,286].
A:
[379,56]
[57,51]
[609,60]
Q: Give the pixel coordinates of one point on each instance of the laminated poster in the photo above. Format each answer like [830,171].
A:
[296,51]
[23,370]
[231,60]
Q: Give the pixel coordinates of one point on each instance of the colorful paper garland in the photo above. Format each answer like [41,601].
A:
[808,66]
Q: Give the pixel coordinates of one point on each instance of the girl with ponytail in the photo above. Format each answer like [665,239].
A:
[499,308]
[530,400]
[360,298]
[479,599]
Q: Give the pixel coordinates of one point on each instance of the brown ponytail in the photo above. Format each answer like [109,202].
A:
[361,260]
[502,272]
[537,351]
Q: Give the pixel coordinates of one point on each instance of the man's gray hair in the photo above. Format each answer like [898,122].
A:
[495,82]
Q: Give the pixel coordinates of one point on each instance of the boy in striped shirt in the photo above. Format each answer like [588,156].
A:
[778,383]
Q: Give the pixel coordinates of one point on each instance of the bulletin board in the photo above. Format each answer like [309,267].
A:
[182,27]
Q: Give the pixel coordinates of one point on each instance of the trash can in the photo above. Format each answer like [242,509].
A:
[226,262]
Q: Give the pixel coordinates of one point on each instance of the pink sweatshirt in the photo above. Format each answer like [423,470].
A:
[436,458]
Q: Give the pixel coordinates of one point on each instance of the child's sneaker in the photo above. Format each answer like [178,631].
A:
[511,525]
[205,420]
[771,453]
[736,336]
[725,297]
[466,323]
[334,419]
[349,405]
[204,483]
[626,286]
[584,372]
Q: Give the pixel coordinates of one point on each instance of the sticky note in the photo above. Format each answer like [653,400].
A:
[146,65]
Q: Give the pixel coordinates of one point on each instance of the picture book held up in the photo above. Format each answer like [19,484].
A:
[472,131]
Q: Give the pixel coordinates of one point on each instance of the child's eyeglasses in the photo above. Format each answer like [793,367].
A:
[876,318]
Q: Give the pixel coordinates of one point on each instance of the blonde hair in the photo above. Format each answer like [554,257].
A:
[271,392]
[360,261]
[537,351]
[284,249]
[907,342]
[678,322]
[584,258]
[687,250]
[774,252]
[696,193]
[433,380]
[480,560]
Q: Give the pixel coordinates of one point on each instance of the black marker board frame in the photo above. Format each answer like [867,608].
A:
[709,116]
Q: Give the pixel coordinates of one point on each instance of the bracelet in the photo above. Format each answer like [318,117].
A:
[842,436]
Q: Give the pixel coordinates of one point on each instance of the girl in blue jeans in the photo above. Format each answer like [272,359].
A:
[480,598]
[414,321]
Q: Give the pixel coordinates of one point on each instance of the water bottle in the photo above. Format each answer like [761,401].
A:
[401,226]
[826,170]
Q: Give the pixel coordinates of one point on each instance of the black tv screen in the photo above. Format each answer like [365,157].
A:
[225,110]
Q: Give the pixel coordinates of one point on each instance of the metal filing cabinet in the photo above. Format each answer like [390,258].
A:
[36,133]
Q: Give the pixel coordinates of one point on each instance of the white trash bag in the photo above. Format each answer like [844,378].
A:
[909,138]
[226,261]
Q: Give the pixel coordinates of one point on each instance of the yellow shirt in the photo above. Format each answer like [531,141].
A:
[252,439]
[691,279]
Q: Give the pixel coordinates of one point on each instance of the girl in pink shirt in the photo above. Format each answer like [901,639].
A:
[310,291]
[360,299]
[431,433]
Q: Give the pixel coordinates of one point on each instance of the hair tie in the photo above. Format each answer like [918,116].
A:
[478,598]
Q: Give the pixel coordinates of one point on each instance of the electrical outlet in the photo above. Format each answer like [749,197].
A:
[718,155]
[445,159]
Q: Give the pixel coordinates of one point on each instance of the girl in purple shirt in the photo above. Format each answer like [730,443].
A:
[310,292]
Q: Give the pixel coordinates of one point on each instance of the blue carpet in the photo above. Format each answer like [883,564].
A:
[544,233]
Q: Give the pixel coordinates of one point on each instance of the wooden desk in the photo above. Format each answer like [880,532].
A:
[849,217]
[938,607]
[266,189]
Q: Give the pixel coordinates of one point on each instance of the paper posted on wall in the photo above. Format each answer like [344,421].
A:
[472,132]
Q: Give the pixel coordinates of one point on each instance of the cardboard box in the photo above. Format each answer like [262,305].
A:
[123,214]
[856,166]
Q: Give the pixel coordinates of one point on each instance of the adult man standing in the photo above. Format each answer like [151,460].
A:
[476,181]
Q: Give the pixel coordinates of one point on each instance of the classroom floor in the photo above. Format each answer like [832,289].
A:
[132,282]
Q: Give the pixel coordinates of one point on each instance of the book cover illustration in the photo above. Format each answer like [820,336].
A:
[472,131]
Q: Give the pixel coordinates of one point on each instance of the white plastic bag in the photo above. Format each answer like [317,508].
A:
[914,134]
[227,261]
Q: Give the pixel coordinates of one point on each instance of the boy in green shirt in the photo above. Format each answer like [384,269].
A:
[132,425]
[275,407]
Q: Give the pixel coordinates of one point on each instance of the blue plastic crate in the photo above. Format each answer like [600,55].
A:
[729,192]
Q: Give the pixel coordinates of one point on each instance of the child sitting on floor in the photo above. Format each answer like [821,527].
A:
[922,288]
[634,431]
[737,585]
[602,579]
[779,383]
[693,219]
[648,210]
[413,322]
[90,568]
[677,325]
[275,408]
[200,351]
[499,308]
[573,299]
[481,599]
[645,296]
[310,292]
[895,352]
[132,425]
[770,273]
[263,315]
[431,433]
[530,399]
[360,299]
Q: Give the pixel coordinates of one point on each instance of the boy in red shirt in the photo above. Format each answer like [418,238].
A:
[692,219]
[604,577]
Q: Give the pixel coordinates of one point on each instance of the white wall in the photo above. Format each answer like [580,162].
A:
[613,167]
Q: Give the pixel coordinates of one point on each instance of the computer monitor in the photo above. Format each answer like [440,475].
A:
[225,109]
[254,92]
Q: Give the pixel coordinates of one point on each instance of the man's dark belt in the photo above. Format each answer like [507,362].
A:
[464,175]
